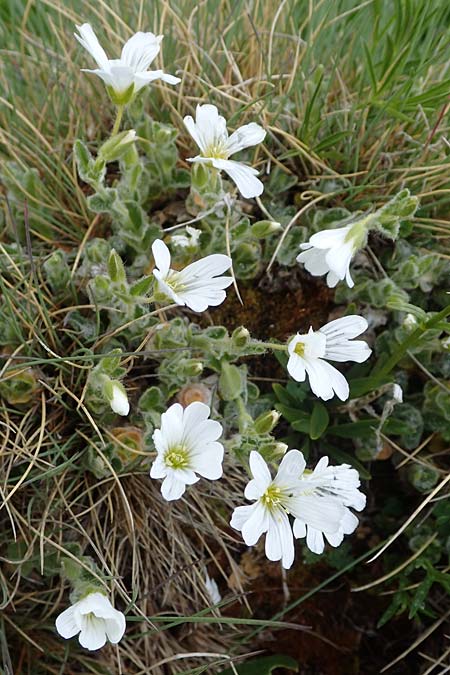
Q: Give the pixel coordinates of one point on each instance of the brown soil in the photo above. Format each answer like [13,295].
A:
[277,307]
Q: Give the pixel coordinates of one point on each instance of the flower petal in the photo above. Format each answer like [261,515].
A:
[88,39]
[314,261]
[140,50]
[356,350]
[339,259]
[66,625]
[210,266]
[291,468]
[93,633]
[329,239]
[260,471]
[158,468]
[245,137]
[172,488]
[142,79]
[244,176]
[314,540]
[115,628]
[279,539]
[172,425]
[321,513]
[299,529]
[240,516]
[296,368]
[161,255]
[211,127]
[256,525]
[325,380]
[344,328]
[209,462]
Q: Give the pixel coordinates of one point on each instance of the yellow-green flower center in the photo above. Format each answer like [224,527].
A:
[177,457]
[272,496]
[217,150]
[299,349]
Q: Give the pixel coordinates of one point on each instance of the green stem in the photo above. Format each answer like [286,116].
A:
[270,345]
[116,126]
[411,341]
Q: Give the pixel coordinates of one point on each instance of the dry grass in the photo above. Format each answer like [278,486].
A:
[329,119]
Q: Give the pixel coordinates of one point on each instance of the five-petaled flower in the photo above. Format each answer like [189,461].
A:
[308,355]
[124,77]
[186,445]
[331,490]
[198,286]
[269,513]
[331,251]
[95,619]
[209,131]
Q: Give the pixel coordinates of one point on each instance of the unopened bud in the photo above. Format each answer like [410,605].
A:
[266,422]
[264,228]
[116,146]
[397,393]
[117,398]
[273,450]
[191,368]
[240,337]
[410,321]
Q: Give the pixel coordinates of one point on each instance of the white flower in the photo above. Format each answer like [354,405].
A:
[189,239]
[212,588]
[307,354]
[127,75]
[331,251]
[118,399]
[397,393]
[209,131]
[95,619]
[198,285]
[328,492]
[269,513]
[186,444]
[410,322]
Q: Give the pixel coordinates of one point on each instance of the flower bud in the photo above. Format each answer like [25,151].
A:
[273,451]
[264,228]
[266,422]
[116,146]
[192,368]
[240,337]
[117,397]
[410,321]
[397,393]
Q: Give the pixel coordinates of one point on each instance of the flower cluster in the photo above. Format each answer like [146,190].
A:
[319,501]
[297,503]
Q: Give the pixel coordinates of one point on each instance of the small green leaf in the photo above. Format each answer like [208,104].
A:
[318,421]
[116,268]
[142,286]
[230,382]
